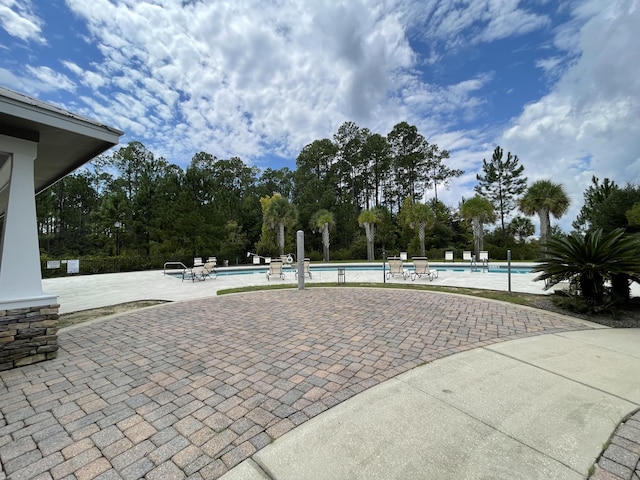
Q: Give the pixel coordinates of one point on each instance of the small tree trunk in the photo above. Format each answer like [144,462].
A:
[421,228]
[591,289]
[545,226]
[369,232]
[281,238]
[478,235]
[325,242]
[620,288]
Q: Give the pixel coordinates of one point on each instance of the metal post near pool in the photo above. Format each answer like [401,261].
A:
[509,268]
[300,254]
[384,260]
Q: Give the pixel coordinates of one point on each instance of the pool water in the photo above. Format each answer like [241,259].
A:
[372,268]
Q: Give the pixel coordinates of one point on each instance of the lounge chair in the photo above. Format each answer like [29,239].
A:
[208,269]
[421,268]
[467,256]
[275,269]
[200,272]
[448,256]
[306,266]
[396,268]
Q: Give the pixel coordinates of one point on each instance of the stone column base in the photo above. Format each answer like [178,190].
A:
[28,335]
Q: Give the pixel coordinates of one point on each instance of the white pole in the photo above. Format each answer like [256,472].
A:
[300,254]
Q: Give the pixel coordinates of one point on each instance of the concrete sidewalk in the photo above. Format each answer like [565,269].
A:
[533,408]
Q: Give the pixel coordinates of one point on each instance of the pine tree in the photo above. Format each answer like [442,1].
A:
[501,183]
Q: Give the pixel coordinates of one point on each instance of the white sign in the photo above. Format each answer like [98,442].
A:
[53,264]
[73,266]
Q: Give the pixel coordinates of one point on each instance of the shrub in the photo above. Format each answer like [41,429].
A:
[590,260]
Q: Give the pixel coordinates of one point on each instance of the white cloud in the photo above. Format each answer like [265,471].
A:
[19,20]
[588,124]
[48,76]
[505,18]
[28,84]
[253,79]
[473,21]
[248,75]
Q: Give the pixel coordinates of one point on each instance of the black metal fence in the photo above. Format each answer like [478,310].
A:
[52,268]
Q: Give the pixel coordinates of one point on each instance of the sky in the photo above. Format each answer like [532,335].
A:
[555,82]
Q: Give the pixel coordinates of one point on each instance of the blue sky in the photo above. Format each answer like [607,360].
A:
[555,82]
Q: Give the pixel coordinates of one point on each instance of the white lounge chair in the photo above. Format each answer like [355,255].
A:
[275,269]
[396,268]
[306,264]
[208,269]
[200,272]
[421,268]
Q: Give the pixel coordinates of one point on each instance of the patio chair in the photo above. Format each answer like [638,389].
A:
[448,256]
[421,268]
[275,269]
[396,268]
[305,269]
[207,270]
[200,272]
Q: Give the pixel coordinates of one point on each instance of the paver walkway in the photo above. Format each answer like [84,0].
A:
[191,389]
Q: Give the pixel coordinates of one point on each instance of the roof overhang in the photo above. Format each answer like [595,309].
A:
[65,141]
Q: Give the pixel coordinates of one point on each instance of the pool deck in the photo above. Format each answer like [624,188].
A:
[324,383]
[91,291]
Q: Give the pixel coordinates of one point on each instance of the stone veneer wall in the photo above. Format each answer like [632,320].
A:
[28,335]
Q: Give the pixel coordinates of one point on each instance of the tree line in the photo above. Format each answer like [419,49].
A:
[132,202]
[355,195]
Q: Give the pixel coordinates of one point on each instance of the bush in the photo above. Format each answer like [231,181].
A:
[591,260]
[316,256]
[575,303]
[358,249]
[570,302]
[340,254]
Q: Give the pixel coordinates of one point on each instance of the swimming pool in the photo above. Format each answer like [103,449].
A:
[252,269]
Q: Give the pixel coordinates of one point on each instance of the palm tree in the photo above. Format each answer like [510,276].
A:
[544,198]
[368,219]
[419,216]
[521,228]
[278,214]
[323,221]
[590,260]
[478,210]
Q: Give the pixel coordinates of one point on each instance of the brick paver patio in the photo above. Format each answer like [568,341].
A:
[192,389]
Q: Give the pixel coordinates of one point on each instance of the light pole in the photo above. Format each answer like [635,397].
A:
[117,226]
